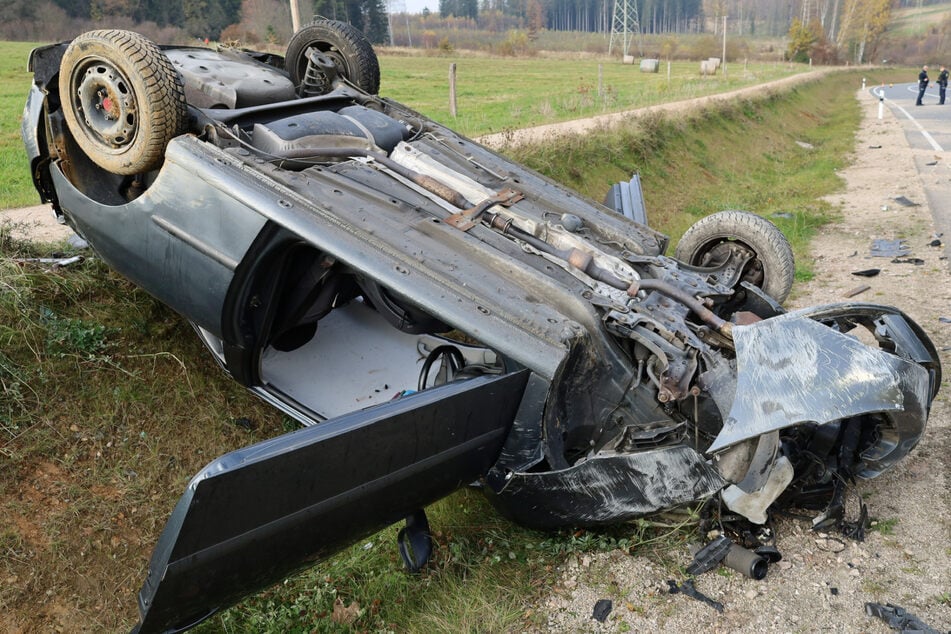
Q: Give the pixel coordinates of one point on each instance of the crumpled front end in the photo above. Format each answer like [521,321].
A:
[804,406]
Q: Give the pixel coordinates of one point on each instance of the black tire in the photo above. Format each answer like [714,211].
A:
[122,99]
[349,49]
[772,268]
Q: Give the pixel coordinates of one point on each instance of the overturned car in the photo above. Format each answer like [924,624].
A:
[434,314]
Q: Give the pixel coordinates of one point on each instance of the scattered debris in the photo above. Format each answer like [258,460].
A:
[857,290]
[898,618]
[723,550]
[904,202]
[770,553]
[345,615]
[931,163]
[601,610]
[243,422]
[875,147]
[834,591]
[687,588]
[56,262]
[805,146]
[935,243]
[78,243]
[915,261]
[945,320]
[710,556]
[783,214]
[882,248]
[867,272]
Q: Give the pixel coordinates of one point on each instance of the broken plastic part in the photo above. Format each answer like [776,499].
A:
[710,556]
[770,553]
[601,610]
[753,505]
[905,202]
[898,618]
[688,589]
[722,550]
[415,542]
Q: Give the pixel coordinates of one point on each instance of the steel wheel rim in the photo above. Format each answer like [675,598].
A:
[105,104]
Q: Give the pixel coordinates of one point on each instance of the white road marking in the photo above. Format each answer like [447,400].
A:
[924,133]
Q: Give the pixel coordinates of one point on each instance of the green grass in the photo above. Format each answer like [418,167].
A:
[911,21]
[109,405]
[884,526]
[16,186]
[498,93]
[738,156]
[494,94]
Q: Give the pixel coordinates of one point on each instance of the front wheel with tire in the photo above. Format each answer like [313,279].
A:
[708,243]
[347,48]
[122,99]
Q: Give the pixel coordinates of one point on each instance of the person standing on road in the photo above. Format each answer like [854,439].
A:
[942,85]
[922,84]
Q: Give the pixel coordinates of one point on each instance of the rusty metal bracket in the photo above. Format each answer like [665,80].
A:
[465,220]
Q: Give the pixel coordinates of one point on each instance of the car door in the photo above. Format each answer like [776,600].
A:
[253,516]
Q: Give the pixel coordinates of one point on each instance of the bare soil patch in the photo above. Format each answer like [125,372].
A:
[823,582]
[34,223]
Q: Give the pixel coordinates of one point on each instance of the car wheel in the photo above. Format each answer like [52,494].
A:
[348,49]
[122,99]
[708,242]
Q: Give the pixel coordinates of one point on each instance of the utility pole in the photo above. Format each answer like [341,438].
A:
[723,59]
[295,16]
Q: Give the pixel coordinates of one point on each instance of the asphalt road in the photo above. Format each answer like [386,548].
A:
[928,130]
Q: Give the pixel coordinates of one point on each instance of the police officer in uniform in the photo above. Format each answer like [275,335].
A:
[922,84]
[942,85]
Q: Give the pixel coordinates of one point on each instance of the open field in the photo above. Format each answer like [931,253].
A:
[915,21]
[497,93]
[109,406]
[16,187]
[494,93]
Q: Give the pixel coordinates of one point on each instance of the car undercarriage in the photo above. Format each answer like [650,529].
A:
[434,314]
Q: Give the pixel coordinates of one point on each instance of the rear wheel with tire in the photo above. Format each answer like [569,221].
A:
[348,49]
[709,241]
[122,99]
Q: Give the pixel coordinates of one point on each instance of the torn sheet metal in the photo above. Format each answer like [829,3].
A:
[792,370]
[609,488]
[888,248]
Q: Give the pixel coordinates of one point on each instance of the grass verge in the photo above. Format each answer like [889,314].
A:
[109,405]
[776,156]
[494,93]
[16,186]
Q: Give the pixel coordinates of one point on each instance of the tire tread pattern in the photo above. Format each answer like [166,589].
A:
[162,109]
[364,71]
[767,241]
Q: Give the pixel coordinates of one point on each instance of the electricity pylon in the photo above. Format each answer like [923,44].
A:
[625,26]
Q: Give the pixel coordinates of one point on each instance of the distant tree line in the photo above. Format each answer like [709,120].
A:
[824,31]
[744,17]
[200,18]
[830,31]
